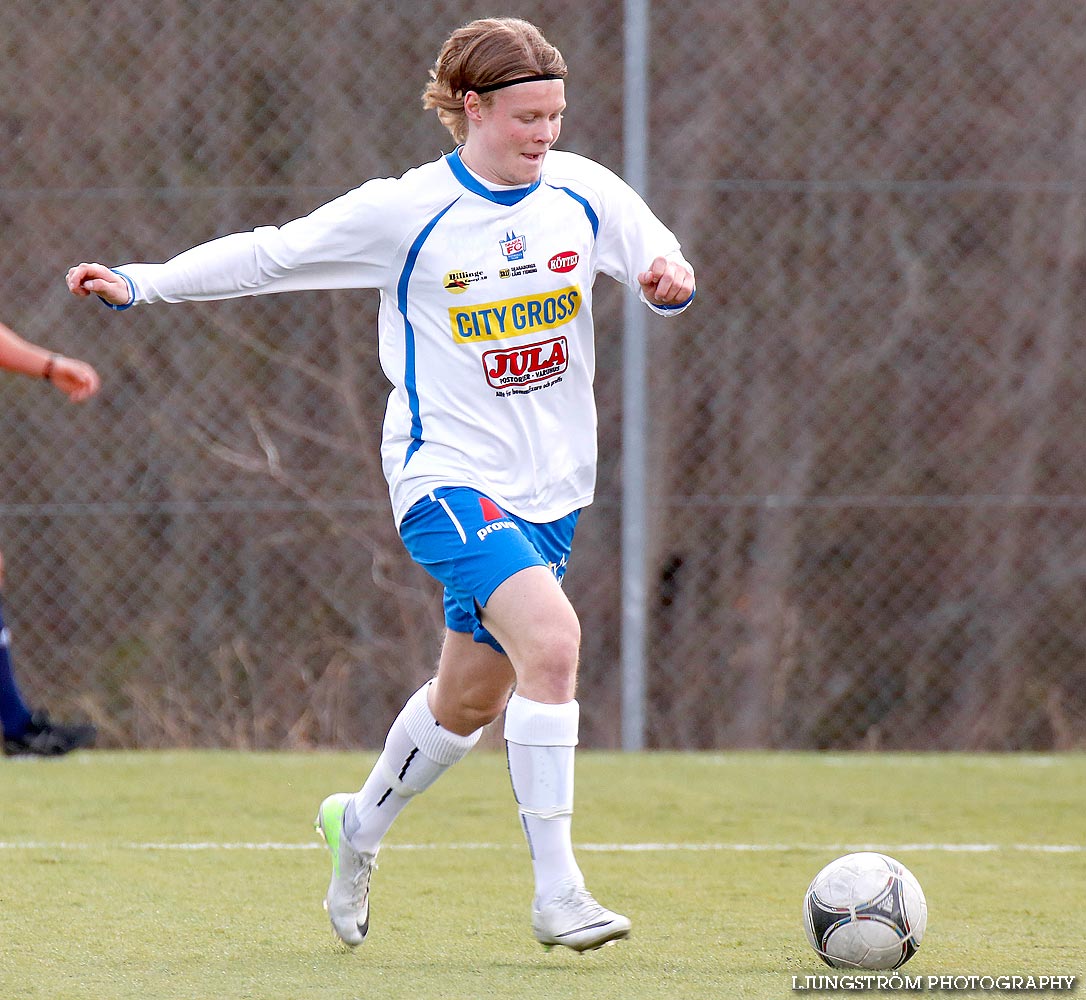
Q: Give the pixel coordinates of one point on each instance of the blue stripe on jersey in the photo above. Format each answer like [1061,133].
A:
[511,196]
[592,217]
[409,330]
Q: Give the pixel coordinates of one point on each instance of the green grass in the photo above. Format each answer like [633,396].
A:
[93,904]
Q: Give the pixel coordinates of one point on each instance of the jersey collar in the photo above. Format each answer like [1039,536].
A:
[508,196]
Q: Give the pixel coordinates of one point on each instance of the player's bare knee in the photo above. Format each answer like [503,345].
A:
[556,638]
[564,643]
[465,710]
[548,669]
[479,709]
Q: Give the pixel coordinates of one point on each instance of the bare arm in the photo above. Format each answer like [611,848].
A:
[76,379]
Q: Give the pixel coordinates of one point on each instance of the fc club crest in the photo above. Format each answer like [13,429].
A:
[512,246]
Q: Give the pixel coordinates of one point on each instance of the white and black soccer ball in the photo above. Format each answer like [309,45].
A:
[865,911]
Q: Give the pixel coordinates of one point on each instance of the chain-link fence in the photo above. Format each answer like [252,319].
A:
[868,488]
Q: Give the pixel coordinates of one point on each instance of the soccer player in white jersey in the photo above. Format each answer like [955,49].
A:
[485,261]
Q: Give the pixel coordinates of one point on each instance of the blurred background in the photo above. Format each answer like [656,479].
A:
[867,520]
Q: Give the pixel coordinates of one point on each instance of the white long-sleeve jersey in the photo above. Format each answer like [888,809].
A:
[485,322]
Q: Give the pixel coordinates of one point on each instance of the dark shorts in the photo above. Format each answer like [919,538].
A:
[470,546]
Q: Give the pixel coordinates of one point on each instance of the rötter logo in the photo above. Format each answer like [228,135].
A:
[565,261]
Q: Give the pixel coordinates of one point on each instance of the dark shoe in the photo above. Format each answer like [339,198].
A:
[45,738]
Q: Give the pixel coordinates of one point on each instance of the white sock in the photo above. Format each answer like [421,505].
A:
[418,750]
[540,741]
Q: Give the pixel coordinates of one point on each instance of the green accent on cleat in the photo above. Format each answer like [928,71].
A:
[329,824]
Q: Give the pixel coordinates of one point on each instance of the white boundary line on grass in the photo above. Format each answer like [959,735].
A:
[42,845]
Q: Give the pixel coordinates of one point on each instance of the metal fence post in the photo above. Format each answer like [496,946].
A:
[634,395]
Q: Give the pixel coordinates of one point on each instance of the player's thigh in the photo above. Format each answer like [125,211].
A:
[530,615]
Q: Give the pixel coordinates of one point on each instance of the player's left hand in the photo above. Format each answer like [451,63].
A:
[97,279]
[667,282]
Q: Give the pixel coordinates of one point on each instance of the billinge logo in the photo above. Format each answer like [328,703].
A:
[457,281]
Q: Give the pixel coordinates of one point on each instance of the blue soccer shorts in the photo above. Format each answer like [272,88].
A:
[466,542]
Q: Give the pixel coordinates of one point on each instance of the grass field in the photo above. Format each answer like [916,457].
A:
[197,874]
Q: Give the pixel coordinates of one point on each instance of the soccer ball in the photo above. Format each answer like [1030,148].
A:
[865,911]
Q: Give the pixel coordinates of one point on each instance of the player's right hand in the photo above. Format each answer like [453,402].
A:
[76,379]
[97,279]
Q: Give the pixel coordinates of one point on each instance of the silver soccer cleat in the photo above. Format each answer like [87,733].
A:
[574,919]
[348,899]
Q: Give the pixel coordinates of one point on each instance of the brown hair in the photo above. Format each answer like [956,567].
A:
[487,51]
